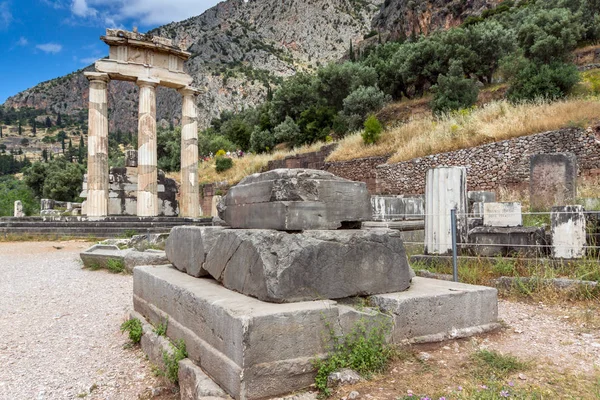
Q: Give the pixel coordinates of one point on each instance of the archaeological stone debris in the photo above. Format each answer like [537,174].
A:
[149,61]
[254,301]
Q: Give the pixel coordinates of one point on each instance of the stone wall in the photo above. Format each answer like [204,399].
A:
[312,160]
[492,165]
[207,192]
[361,170]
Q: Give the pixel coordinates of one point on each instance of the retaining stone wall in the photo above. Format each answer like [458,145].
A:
[313,160]
[361,170]
[492,165]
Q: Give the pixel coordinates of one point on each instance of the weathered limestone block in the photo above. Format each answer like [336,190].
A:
[445,189]
[568,232]
[390,208]
[491,241]
[553,180]
[47,204]
[187,247]
[502,214]
[282,267]
[18,213]
[294,200]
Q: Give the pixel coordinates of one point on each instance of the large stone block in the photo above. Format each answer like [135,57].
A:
[295,200]
[568,232]
[491,241]
[434,310]
[553,180]
[257,350]
[187,247]
[502,214]
[394,208]
[280,267]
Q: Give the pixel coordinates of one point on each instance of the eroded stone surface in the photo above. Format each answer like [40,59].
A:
[295,199]
[280,267]
[553,180]
[187,247]
[568,232]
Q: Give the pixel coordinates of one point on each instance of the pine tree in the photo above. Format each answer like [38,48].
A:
[0,131]
[34,128]
[70,144]
[45,155]
[20,128]
[48,122]
[59,120]
[81,144]
[351,52]
[62,142]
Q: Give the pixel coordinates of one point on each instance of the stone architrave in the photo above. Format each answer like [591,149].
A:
[568,232]
[97,175]
[296,200]
[445,189]
[147,194]
[282,267]
[502,214]
[553,180]
[189,203]
[19,209]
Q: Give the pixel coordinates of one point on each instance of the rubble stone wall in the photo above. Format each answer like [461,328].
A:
[489,166]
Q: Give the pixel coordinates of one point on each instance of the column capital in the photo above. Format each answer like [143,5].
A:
[189,91]
[147,82]
[97,77]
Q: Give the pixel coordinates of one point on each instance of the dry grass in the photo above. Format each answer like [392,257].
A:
[491,123]
[247,165]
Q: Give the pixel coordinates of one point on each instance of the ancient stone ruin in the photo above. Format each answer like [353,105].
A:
[149,61]
[254,304]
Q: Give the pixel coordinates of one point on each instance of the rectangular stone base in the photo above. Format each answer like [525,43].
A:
[254,349]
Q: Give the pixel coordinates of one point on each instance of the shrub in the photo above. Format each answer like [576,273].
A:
[261,141]
[453,91]
[171,361]
[372,131]
[161,329]
[366,352]
[551,81]
[287,131]
[220,153]
[134,327]
[223,163]
[115,266]
[362,102]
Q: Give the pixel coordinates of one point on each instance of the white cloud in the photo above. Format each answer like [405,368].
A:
[81,9]
[89,60]
[22,41]
[51,48]
[6,16]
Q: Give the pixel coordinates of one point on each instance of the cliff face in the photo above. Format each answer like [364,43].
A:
[238,48]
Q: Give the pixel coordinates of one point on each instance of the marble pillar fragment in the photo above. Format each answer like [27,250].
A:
[97,176]
[147,194]
[189,203]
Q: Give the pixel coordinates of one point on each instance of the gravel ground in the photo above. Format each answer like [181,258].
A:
[60,328]
[60,334]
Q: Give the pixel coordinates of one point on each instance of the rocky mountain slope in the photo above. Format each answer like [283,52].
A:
[239,48]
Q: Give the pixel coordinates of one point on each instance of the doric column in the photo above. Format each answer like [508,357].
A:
[147,194]
[97,173]
[189,203]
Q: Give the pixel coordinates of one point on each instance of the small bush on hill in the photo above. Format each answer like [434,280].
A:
[453,91]
[223,163]
[552,81]
[372,131]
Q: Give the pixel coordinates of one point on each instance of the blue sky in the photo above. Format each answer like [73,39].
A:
[45,39]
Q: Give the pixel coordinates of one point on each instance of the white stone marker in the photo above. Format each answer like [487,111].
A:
[502,214]
[568,232]
[19,209]
[445,189]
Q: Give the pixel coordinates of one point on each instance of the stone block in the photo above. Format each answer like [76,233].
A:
[434,310]
[477,210]
[98,255]
[390,208]
[256,350]
[280,267]
[553,180]
[187,247]
[445,189]
[489,241]
[481,197]
[568,229]
[194,384]
[295,200]
[131,158]
[133,258]
[46,204]
[502,214]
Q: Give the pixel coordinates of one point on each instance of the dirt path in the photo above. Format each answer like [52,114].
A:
[60,328]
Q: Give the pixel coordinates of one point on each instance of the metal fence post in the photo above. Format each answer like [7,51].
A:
[454,245]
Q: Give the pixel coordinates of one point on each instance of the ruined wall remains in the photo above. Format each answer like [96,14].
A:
[361,170]
[496,164]
[312,160]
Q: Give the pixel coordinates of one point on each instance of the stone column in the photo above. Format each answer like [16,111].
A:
[445,189]
[189,203]
[147,193]
[97,175]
